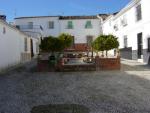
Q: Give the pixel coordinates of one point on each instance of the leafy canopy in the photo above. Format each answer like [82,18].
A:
[66,39]
[56,44]
[105,43]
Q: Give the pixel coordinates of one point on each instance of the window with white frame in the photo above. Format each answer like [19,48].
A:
[30,25]
[51,24]
[124,21]
[125,41]
[138,12]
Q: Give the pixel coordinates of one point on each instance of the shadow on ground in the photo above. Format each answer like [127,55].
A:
[60,108]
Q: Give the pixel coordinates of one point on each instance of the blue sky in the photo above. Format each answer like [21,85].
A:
[17,8]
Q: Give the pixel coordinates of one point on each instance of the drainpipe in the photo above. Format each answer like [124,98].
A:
[101,23]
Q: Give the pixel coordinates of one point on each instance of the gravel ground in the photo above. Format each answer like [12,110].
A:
[125,91]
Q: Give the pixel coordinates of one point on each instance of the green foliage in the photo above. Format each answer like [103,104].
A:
[54,44]
[99,43]
[51,44]
[111,42]
[105,43]
[66,39]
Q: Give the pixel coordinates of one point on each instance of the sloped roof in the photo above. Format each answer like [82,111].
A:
[104,16]
[77,17]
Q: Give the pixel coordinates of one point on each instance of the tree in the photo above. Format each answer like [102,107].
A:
[51,44]
[105,43]
[66,39]
[99,44]
[54,44]
[111,43]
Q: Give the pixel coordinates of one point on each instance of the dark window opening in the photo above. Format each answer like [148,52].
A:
[125,42]
[138,12]
[89,40]
[148,40]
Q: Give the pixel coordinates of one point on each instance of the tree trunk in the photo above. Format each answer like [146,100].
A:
[102,53]
[92,52]
[106,53]
[97,54]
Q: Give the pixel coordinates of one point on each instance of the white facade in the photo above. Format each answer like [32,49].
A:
[41,21]
[79,31]
[12,46]
[127,28]
[131,25]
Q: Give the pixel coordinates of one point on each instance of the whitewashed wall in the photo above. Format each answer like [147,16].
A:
[79,31]
[42,21]
[60,26]
[133,27]
[11,45]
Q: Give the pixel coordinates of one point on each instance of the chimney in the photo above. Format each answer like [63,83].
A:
[3,17]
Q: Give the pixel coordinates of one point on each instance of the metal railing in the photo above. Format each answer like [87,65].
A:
[30,27]
[35,30]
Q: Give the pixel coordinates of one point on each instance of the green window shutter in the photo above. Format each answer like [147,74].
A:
[88,25]
[70,25]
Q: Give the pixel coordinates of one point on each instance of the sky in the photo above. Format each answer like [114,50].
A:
[21,8]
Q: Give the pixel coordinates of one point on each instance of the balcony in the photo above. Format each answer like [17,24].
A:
[34,31]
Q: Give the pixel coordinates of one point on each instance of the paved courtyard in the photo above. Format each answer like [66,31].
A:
[125,91]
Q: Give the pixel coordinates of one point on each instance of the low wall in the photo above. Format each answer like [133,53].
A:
[25,57]
[99,65]
[107,63]
[126,53]
[78,68]
[43,66]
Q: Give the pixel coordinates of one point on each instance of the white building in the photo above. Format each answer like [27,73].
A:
[15,46]
[131,25]
[83,28]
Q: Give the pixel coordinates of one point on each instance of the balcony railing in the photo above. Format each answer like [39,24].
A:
[35,30]
[29,27]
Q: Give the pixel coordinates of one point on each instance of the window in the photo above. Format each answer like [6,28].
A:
[4,30]
[138,12]
[37,47]
[148,42]
[89,40]
[70,25]
[88,25]
[125,41]
[51,25]
[25,44]
[116,27]
[124,21]
[30,25]
[110,23]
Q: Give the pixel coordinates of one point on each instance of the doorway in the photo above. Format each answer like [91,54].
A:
[32,53]
[140,45]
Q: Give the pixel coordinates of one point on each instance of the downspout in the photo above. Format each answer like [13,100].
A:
[101,23]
